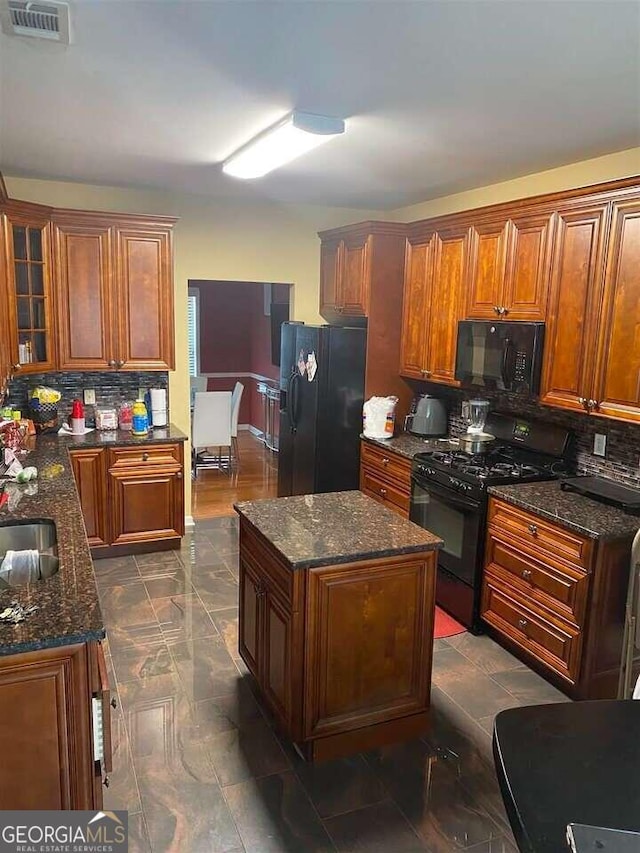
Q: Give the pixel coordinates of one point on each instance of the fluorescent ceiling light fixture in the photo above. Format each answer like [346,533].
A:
[291,137]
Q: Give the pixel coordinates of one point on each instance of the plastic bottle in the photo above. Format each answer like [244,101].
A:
[77,418]
[140,420]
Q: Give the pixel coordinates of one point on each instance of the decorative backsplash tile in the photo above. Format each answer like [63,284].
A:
[112,387]
[622,460]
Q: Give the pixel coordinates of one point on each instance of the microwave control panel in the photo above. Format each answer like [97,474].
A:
[520,371]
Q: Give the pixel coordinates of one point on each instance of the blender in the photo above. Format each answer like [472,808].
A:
[475,440]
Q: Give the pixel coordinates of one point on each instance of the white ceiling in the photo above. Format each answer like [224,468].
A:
[440,95]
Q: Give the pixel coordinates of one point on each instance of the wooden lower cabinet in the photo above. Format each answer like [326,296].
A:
[385,476]
[46,728]
[130,496]
[556,599]
[342,654]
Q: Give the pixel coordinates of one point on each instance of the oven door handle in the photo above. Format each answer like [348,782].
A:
[452,497]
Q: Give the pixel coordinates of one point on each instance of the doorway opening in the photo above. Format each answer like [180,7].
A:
[234,347]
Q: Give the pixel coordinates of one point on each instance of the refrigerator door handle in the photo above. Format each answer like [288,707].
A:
[291,402]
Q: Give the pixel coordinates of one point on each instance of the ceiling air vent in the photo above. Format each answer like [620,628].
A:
[40,20]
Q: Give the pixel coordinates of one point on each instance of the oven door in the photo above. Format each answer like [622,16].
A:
[458,520]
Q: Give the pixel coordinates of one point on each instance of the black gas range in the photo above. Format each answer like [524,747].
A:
[449,498]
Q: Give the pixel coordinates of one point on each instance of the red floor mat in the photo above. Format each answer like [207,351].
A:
[446,626]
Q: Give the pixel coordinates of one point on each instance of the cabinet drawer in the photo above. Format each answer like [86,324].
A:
[559,587]
[547,638]
[148,454]
[539,534]
[387,463]
[385,493]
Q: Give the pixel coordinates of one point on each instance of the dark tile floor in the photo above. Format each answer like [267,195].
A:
[199,768]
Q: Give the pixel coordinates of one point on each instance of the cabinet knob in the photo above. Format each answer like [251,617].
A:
[119,363]
[496,309]
[533,529]
[504,311]
[106,782]
[522,624]
[178,475]
[383,493]
[385,460]
[426,373]
[526,574]
[592,404]
[112,363]
[113,703]
[145,457]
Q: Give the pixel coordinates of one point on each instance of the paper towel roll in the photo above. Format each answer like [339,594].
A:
[158,399]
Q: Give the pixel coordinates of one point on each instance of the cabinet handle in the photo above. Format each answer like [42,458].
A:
[504,311]
[112,363]
[426,373]
[385,460]
[592,404]
[383,493]
[145,457]
[261,591]
[496,309]
[17,366]
[113,704]
[522,624]
[178,475]
[106,782]
[533,529]
[119,364]
[583,401]
[526,574]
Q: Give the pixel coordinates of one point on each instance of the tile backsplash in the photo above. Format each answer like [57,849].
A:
[111,387]
[622,460]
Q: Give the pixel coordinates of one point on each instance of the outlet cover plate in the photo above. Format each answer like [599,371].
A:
[599,444]
[89,396]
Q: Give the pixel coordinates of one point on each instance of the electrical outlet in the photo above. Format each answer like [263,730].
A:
[89,396]
[599,444]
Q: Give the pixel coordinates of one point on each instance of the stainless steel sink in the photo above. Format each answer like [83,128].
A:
[26,536]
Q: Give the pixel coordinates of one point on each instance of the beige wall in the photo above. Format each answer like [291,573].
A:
[622,164]
[214,239]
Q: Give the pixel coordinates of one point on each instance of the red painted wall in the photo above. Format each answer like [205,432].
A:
[235,337]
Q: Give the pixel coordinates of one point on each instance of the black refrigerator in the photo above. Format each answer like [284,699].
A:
[321,397]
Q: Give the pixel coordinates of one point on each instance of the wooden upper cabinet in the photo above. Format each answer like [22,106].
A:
[574,307]
[29,293]
[330,255]
[344,275]
[528,267]
[617,385]
[510,268]
[86,313]
[355,276]
[488,258]
[449,282]
[415,325]
[144,283]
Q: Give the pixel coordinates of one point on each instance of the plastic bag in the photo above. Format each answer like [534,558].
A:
[379,417]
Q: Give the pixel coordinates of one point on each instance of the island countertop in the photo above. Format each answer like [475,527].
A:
[335,527]
[68,607]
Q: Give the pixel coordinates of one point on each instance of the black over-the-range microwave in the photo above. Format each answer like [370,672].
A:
[502,356]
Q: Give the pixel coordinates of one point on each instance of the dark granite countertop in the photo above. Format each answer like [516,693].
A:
[568,509]
[336,527]
[408,445]
[68,608]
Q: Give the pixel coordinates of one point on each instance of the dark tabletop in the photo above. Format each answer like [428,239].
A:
[68,609]
[336,527]
[573,762]
[568,509]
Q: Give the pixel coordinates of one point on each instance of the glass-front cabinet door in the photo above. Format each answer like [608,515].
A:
[28,265]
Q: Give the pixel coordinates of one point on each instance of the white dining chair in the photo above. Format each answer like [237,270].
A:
[198,384]
[236,397]
[211,428]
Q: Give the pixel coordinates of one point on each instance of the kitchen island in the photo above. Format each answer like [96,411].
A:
[336,619]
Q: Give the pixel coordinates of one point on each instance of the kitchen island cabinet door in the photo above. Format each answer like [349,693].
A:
[146,505]
[368,638]
[83,273]
[575,303]
[277,678]
[617,387]
[144,276]
[89,471]
[415,318]
[45,730]
[250,618]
